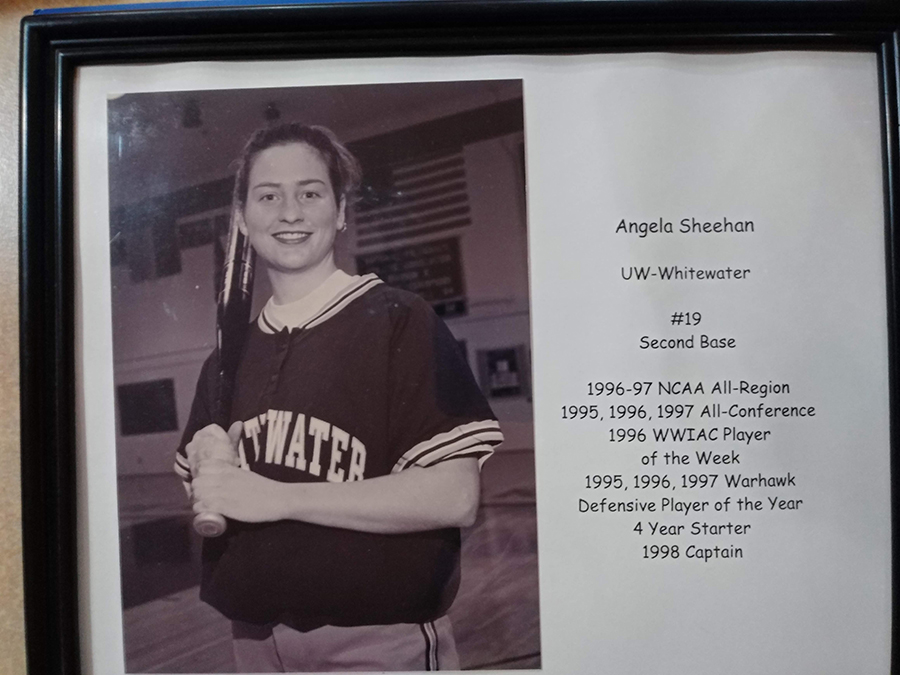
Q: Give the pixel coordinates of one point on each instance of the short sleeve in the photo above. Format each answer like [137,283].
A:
[200,417]
[437,410]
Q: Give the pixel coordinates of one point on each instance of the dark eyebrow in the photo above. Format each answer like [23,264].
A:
[278,185]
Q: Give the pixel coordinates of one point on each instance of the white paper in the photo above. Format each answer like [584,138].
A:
[789,141]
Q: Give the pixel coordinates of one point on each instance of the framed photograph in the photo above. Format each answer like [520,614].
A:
[460,336]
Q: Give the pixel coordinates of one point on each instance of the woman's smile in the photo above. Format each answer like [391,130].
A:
[292,238]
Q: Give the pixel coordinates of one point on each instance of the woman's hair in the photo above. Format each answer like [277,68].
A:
[343,168]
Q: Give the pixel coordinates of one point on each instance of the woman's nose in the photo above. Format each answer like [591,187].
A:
[291,210]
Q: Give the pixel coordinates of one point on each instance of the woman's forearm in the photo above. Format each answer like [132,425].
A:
[413,500]
[445,495]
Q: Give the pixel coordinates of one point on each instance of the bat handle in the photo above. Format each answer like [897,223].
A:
[209,524]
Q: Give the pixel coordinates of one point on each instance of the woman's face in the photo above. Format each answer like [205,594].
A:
[290,214]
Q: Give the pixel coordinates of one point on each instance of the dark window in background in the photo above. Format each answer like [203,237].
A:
[162,541]
[195,233]
[147,407]
[503,372]
[431,269]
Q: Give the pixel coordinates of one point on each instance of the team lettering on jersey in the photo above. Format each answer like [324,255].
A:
[303,443]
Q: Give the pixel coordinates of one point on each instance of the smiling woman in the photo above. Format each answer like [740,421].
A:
[353,446]
[292,192]
[352,465]
[292,217]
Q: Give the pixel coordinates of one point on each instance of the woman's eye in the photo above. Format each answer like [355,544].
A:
[310,194]
[268,197]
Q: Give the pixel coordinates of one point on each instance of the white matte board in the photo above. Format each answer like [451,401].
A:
[709,353]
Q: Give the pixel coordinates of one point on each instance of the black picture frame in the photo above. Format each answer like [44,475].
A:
[53,46]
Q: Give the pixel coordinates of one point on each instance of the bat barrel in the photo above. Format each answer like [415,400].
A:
[233,317]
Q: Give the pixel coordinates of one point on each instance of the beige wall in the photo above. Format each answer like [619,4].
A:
[12,651]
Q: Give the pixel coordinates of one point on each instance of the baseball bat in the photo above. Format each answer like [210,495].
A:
[232,323]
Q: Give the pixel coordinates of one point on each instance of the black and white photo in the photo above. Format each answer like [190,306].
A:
[299,277]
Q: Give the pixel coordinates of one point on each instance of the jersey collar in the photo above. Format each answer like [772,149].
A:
[332,295]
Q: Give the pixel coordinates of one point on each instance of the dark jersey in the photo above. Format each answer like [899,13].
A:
[372,384]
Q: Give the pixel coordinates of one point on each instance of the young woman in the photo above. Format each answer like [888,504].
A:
[352,458]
